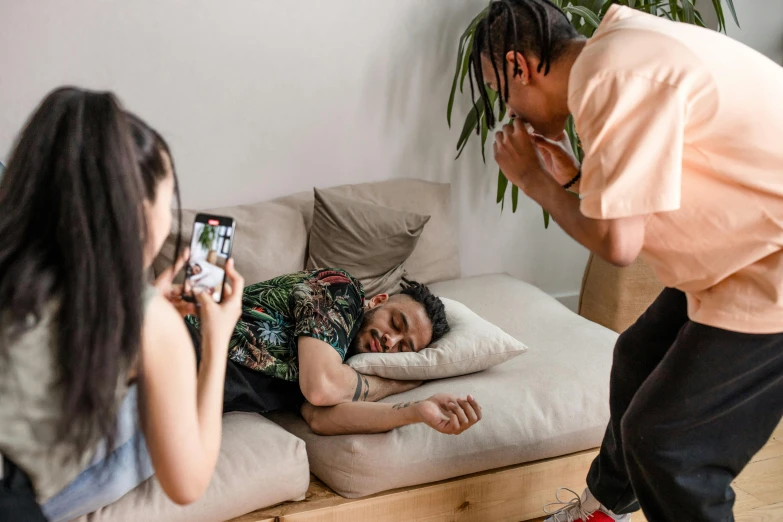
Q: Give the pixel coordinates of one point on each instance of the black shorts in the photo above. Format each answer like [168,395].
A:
[252,391]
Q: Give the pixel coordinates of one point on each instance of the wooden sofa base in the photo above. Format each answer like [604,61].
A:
[511,494]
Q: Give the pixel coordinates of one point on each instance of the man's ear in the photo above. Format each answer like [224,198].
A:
[523,67]
[377,300]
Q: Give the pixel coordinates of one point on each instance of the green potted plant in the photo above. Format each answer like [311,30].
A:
[207,239]
[585,15]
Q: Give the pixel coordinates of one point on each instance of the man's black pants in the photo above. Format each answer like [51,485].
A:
[690,405]
[251,391]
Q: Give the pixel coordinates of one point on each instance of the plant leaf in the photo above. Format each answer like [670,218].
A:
[484,132]
[514,198]
[721,17]
[674,9]
[586,30]
[546,218]
[502,185]
[589,16]
[473,23]
[687,9]
[651,7]
[460,54]
[574,139]
[492,95]
[733,12]
[699,20]
[470,126]
[454,85]
[465,67]
[502,111]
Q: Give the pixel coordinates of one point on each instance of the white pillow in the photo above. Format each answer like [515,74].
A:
[472,345]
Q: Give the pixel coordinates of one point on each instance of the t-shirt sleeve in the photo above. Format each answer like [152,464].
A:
[632,132]
[329,307]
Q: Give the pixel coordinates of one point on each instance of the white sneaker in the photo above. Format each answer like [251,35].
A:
[580,509]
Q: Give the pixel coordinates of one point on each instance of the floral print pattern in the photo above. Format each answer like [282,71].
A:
[323,304]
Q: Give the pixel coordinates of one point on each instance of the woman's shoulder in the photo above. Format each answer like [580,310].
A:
[162,322]
[149,294]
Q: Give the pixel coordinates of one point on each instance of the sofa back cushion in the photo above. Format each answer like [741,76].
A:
[271,240]
[272,237]
[436,256]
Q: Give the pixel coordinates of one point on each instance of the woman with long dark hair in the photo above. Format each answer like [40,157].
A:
[85,207]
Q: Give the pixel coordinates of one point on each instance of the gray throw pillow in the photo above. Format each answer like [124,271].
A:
[370,242]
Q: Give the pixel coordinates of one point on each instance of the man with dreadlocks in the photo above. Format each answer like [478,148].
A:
[681,130]
[287,352]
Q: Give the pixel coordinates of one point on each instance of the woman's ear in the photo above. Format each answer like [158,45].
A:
[377,300]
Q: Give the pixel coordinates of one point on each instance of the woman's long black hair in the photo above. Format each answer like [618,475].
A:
[73,229]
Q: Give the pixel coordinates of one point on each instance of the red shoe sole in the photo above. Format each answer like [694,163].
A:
[599,516]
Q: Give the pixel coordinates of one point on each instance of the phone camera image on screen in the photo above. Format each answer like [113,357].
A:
[210,248]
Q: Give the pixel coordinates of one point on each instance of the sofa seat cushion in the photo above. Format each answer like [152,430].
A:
[550,402]
[260,465]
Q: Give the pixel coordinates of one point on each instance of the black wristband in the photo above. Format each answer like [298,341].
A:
[576,178]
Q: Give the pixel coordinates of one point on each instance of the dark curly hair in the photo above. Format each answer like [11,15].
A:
[432,305]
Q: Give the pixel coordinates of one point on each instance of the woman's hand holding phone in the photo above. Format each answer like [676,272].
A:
[173,293]
[212,314]
[219,319]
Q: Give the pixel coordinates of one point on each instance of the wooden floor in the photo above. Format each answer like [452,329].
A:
[759,491]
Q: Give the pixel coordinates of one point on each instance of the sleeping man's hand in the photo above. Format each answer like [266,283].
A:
[448,413]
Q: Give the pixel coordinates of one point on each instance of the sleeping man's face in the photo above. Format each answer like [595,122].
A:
[392,325]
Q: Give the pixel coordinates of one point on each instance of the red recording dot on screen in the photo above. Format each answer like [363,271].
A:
[213,222]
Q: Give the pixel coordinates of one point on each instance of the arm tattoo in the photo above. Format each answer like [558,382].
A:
[358,393]
[401,405]
[362,388]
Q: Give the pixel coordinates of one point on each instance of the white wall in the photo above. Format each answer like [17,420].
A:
[761,24]
[260,98]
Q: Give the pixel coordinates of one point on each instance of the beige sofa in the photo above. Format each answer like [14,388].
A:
[549,402]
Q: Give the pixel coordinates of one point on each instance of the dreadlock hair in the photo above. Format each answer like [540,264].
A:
[432,305]
[536,27]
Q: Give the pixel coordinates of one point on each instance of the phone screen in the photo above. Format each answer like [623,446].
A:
[210,248]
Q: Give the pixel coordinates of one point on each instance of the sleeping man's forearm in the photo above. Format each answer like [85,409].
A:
[326,381]
[359,417]
[369,388]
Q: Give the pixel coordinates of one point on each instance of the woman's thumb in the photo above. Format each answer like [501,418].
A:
[203,298]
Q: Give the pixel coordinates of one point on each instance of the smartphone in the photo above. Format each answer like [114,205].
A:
[210,249]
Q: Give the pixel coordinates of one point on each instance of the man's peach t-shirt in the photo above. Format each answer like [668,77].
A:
[686,125]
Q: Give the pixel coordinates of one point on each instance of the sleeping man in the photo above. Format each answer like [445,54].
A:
[288,348]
